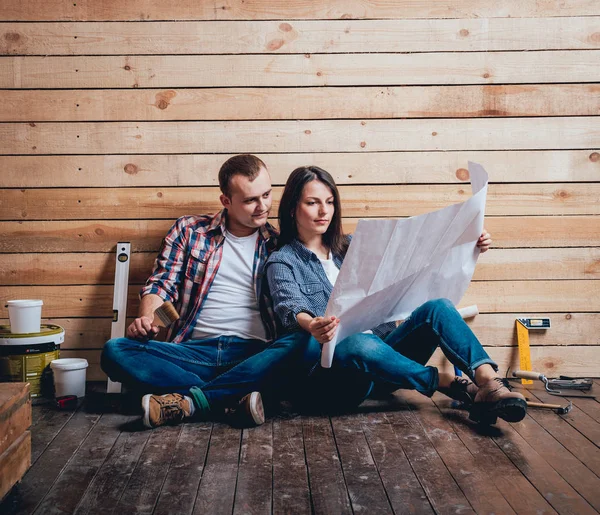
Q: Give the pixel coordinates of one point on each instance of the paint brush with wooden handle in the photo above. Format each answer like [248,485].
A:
[167,314]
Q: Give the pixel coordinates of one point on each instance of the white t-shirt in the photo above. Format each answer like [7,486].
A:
[331,270]
[231,307]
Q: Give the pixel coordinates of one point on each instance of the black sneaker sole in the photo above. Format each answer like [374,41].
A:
[511,410]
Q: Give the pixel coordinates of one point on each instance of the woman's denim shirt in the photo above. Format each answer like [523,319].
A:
[298,283]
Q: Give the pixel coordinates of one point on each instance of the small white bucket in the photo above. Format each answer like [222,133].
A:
[25,316]
[69,376]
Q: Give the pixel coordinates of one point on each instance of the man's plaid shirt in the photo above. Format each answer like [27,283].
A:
[188,262]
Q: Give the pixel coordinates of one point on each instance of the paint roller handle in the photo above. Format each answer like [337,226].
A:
[525,374]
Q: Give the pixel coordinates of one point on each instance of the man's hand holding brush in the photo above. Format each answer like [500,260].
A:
[142,328]
[152,308]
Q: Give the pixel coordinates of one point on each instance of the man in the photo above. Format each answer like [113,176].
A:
[210,267]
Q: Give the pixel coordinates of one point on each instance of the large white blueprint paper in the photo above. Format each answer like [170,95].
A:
[394,266]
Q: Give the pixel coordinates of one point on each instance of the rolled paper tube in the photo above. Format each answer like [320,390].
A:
[469,311]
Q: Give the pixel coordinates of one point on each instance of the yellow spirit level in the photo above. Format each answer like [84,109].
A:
[523,327]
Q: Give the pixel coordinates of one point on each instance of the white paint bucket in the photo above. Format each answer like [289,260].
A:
[25,316]
[69,376]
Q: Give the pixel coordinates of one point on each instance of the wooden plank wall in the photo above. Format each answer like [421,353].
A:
[115,117]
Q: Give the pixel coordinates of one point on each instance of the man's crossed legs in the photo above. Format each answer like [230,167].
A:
[204,378]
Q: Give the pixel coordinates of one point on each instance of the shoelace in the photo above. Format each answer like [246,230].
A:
[503,383]
[461,382]
[171,410]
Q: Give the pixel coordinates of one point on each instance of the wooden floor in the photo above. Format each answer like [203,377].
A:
[408,454]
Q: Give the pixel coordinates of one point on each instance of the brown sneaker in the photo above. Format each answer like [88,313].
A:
[164,409]
[461,390]
[496,399]
[248,413]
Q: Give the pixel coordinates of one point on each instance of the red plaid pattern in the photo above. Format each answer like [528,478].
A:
[188,261]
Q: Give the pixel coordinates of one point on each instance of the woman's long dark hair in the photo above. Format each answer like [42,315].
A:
[334,238]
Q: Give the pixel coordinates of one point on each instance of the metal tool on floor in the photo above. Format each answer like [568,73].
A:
[571,383]
[561,410]
[117,329]
[523,326]
[527,374]
[524,374]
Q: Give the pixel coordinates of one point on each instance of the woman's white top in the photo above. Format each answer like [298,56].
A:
[331,270]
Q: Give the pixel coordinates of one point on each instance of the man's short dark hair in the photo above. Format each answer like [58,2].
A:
[243,164]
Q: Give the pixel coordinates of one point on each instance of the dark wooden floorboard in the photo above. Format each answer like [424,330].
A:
[440,487]
[217,485]
[146,480]
[404,491]
[577,418]
[326,479]
[290,479]
[523,453]
[254,489]
[47,422]
[565,448]
[45,471]
[590,407]
[364,483]
[473,479]
[517,490]
[406,454]
[69,488]
[183,478]
[109,483]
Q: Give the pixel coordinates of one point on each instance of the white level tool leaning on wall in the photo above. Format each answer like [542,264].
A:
[117,329]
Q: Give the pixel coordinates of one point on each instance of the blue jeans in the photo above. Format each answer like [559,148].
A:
[362,362]
[224,368]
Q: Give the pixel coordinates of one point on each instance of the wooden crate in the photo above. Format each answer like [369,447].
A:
[15,439]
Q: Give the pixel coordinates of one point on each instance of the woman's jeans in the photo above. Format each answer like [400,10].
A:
[224,368]
[362,362]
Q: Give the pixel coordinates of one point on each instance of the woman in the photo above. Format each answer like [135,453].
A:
[301,275]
